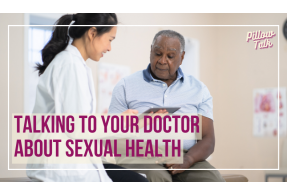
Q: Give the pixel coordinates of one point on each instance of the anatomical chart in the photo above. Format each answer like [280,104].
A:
[266,110]
[108,76]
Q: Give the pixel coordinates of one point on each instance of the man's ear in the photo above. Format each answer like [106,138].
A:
[182,56]
[150,48]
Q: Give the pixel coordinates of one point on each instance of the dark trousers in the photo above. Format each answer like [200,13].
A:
[163,175]
[123,175]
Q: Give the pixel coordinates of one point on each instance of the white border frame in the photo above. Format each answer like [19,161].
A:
[147,26]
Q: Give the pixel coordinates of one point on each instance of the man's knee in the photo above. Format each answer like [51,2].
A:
[199,176]
[207,175]
[158,176]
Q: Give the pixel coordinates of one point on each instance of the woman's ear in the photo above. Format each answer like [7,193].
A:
[92,33]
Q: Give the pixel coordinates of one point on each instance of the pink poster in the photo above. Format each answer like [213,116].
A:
[266,110]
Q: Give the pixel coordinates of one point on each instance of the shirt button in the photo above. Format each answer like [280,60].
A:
[163,84]
[165,96]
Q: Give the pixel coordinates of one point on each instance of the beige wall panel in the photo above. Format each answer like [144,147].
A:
[16,93]
[236,77]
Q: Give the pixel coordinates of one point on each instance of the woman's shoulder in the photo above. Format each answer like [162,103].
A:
[63,62]
[63,57]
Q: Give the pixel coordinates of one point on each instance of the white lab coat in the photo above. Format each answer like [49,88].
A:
[66,86]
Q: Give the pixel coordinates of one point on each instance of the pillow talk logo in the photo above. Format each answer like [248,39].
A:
[257,36]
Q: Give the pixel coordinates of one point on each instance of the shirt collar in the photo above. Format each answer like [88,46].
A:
[148,77]
[72,49]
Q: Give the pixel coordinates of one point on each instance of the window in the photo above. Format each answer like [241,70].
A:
[190,63]
[38,38]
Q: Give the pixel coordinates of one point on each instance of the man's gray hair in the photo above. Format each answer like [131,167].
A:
[171,34]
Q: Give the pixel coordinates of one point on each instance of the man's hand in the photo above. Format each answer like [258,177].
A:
[172,163]
[187,162]
[200,151]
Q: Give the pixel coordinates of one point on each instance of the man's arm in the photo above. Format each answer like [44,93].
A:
[118,105]
[118,101]
[204,147]
[199,151]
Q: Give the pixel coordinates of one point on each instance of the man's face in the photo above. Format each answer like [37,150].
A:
[165,57]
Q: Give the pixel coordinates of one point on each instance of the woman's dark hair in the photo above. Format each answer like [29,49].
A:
[60,38]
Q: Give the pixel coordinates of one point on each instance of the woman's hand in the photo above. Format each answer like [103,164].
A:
[130,112]
[161,113]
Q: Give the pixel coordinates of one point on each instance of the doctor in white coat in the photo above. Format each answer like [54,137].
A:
[66,86]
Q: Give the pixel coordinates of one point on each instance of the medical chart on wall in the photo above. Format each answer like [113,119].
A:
[108,76]
[265,116]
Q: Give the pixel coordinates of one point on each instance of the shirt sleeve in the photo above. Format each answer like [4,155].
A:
[205,108]
[71,88]
[118,103]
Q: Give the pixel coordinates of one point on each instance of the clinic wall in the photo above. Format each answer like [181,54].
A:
[16,93]
[239,71]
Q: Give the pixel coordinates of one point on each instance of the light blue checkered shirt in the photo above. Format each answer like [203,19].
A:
[141,91]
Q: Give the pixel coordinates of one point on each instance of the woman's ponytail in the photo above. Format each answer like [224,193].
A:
[58,42]
[60,38]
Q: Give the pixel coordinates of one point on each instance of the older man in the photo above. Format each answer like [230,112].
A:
[163,83]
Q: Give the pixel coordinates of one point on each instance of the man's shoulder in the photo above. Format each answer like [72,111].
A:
[193,81]
[134,78]
[137,76]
